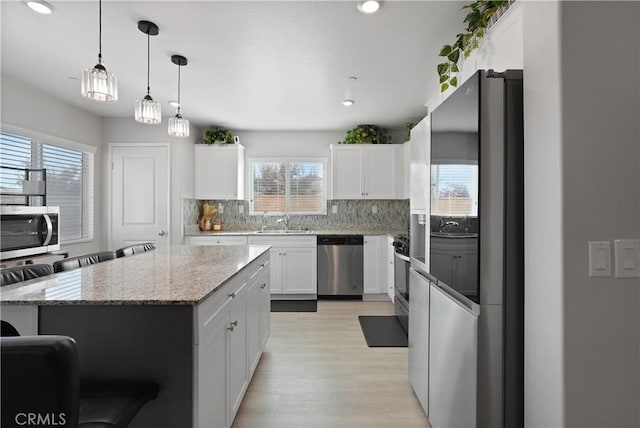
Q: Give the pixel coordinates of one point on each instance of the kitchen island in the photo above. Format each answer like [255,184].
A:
[193,319]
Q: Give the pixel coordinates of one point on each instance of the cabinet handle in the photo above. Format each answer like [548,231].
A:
[234,323]
[231,327]
[263,286]
[366,194]
[262,265]
[233,295]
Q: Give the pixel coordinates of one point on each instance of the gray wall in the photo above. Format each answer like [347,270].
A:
[601,187]
[28,108]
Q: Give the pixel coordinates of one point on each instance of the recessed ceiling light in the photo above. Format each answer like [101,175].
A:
[40,6]
[173,103]
[348,103]
[369,6]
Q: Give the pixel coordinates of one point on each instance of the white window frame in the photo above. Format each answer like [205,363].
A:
[249,181]
[88,196]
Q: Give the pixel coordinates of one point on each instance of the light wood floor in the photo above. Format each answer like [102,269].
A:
[318,372]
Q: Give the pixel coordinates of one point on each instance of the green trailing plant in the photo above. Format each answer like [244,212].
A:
[407,127]
[216,133]
[366,134]
[482,14]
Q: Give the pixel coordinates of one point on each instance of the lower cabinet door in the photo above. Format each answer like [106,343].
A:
[211,377]
[299,271]
[254,307]
[275,277]
[265,309]
[238,373]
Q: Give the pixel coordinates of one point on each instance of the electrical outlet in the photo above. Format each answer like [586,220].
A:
[241,209]
[334,209]
[220,208]
[374,209]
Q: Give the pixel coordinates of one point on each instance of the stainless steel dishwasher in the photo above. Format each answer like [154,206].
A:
[340,266]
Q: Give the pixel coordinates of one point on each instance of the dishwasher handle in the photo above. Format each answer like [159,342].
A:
[340,240]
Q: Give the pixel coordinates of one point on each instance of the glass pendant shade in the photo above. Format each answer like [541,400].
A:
[99,85]
[148,111]
[178,126]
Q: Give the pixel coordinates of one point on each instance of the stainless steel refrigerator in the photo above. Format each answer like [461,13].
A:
[472,336]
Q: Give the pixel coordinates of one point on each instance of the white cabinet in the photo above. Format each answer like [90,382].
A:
[218,172]
[293,263]
[378,273]
[389,252]
[371,259]
[419,164]
[454,261]
[258,314]
[217,240]
[230,333]
[365,171]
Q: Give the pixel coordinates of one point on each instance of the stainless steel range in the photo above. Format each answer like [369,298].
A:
[401,279]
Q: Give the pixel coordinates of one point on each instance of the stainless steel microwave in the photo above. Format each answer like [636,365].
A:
[26,231]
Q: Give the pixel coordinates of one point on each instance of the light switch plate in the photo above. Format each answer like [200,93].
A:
[241,209]
[220,208]
[599,258]
[374,209]
[334,209]
[626,258]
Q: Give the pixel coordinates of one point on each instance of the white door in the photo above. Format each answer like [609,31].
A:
[139,195]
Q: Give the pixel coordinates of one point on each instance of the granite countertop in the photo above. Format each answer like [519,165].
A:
[178,275]
[371,231]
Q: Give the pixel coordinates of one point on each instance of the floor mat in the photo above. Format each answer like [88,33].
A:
[294,306]
[383,331]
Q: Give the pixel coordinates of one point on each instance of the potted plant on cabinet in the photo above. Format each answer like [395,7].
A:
[217,135]
[366,134]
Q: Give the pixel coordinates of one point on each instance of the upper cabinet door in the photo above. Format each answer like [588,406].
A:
[346,164]
[380,171]
[420,149]
[365,171]
[219,172]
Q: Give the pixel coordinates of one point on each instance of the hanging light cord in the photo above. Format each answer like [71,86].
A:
[148,60]
[179,66]
[100,32]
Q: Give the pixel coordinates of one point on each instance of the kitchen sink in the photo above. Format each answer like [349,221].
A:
[454,235]
[283,232]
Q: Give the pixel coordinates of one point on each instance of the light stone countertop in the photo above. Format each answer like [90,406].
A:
[299,233]
[178,275]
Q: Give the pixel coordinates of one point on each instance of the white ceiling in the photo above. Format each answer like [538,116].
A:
[253,65]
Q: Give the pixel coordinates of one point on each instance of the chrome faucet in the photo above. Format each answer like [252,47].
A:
[285,221]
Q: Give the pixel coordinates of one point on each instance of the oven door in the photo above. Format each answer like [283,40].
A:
[401,277]
[28,234]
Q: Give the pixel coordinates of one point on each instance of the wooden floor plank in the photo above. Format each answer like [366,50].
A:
[318,372]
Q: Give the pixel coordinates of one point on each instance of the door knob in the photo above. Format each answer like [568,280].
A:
[162,233]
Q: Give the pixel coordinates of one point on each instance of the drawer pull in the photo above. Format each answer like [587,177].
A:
[234,323]
[231,327]
[262,265]
[233,295]
[263,286]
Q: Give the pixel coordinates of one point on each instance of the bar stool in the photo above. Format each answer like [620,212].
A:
[135,249]
[11,275]
[81,261]
[41,375]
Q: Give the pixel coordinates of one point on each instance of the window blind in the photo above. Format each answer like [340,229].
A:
[454,190]
[287,187]
[69,180]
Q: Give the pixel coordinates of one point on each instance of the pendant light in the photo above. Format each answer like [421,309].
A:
[97,83]
[178,127]
[148,111]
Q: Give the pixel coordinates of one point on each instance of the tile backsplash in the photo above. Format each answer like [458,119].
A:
[356,214]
